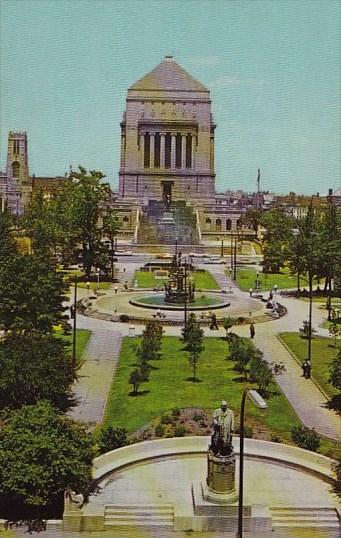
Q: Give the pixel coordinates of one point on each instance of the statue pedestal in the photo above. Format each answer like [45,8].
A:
[221,471]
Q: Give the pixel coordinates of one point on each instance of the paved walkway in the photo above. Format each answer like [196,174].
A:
[100,359]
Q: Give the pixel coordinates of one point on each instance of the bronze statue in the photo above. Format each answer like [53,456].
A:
[223,426]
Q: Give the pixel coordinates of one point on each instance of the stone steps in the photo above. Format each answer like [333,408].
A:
[305,517]
[139,515]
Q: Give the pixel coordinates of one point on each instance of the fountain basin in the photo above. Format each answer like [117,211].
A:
[201,302]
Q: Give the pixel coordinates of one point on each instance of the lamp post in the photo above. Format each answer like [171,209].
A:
[88,289]
[257,280]
[185,295]
[250,291]
[235,258]
[74,316]
[222,248]
[98,272]
[259,402]
[296,233]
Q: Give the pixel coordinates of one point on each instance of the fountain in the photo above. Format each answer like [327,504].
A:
[178,288]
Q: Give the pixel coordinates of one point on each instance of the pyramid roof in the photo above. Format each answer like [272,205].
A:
[169,76]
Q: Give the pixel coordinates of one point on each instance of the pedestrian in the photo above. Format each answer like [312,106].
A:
[252,330]
[308,371]
[116,290]
[304,368]
[124,269]
[271,296]
[214,324]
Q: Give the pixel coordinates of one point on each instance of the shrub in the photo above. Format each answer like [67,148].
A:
[275,438]
[176,412]
[166,419]
[124,318]
[111,438]
[180,431]
[197,416]
[160,430]
[306,438]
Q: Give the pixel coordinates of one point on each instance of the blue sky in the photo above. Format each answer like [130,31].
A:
[273,68]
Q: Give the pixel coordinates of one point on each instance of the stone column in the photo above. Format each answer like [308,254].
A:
[183,151]
[162,150]
[152,150]
[193,151]
[173,150]
[142,150]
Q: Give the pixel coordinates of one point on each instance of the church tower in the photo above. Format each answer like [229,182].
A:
[19,184]
[167,138]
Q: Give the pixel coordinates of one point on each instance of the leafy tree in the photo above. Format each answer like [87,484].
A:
[89,198]
[335,330]
[253,218]
[193,337]
[35,367]
[42,454]
[7,243]
[31,295]
[228,324]
[150,347]
[241,351]
[276,240]
[111,438]
[136,378]
[335,371]
[337,483]
[262,373]
[306,438]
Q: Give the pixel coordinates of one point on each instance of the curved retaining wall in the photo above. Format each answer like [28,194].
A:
[285,455]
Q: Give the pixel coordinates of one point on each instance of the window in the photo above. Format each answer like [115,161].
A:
[16,147]
[15,169]
[228,224]
[218,225]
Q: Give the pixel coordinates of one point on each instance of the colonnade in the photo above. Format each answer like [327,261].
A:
[167,150]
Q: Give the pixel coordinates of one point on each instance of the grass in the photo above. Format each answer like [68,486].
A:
[246,279]
[322,354]
[203,280]
[169,387]
[94,285]
[82,338]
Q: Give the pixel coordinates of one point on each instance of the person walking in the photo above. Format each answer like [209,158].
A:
[252,330]
[214,323]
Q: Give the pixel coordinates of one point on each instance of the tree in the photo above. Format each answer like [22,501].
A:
[276,240]
[150,346]
[262,373]
[89,199]
[335,330]
[42,454]
[111,438]
[335,371]
[136,378]
[7,243]
[31,295]
[193,337]
[253,218]
[227,324]
[337,483]
[241,350]
[35,367]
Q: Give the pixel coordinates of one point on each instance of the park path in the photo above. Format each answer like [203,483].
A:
[95,376]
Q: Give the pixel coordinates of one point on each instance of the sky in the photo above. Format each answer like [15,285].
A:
[273,68]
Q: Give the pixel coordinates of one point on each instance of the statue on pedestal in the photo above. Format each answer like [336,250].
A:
[223,426]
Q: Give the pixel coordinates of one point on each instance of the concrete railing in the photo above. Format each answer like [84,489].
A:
[286,455]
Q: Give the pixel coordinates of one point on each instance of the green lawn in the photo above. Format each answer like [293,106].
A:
[82,338]
[246,279]
[94,285]
[203,280]
[169,387]
[322,354]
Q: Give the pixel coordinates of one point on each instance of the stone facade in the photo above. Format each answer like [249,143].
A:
[167,138]
[16,184]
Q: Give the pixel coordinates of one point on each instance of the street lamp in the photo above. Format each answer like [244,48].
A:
[88,289]
[256,398]
[222,248]
[74,316]
[251,291]
[296,233]
[98,272]
[257,280]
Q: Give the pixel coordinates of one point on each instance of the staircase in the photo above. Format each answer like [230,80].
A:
[153,231]
[323,518]
[139,515]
